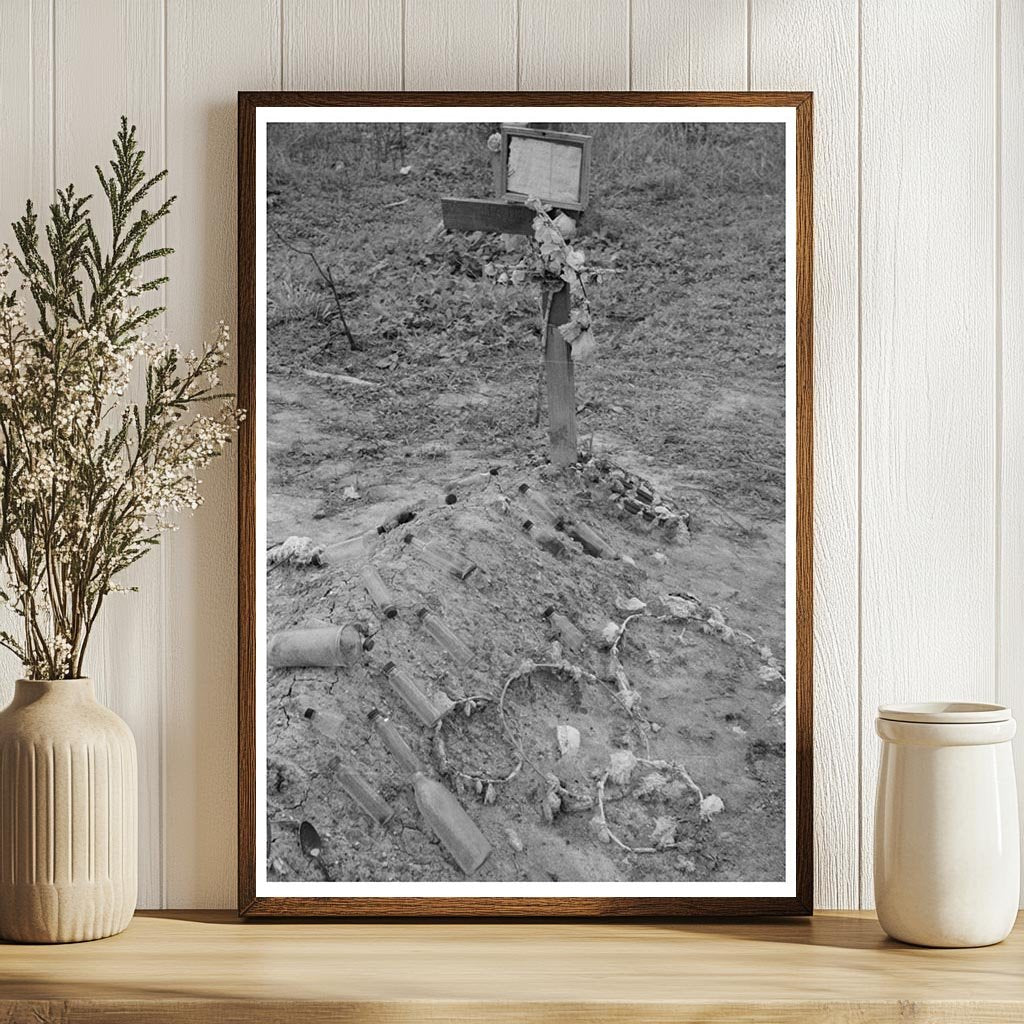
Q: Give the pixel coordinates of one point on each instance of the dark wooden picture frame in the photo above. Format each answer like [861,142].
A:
[249,772]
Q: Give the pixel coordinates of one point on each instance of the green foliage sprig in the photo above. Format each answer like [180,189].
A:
[90,477]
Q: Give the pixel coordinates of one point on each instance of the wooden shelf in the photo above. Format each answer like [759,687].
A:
[210,967]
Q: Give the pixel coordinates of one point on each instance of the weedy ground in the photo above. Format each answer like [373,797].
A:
[688,391]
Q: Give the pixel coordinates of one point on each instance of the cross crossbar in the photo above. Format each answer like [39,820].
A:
[487,215]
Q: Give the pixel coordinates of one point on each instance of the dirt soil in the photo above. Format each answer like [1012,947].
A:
[688,393]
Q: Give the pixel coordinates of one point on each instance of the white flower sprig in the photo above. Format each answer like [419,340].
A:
[88,477]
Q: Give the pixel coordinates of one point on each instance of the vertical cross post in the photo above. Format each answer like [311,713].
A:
[507,217]
[561,383]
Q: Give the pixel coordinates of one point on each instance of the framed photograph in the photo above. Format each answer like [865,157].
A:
[525,493]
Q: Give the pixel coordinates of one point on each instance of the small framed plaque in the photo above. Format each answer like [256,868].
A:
[551,166]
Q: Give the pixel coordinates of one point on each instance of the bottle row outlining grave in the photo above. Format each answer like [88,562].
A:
[393,742]
[565,629]
[327,723]
[399,518]
[378,591]
[539,504]
[454,488]
[440,557]
[428,711]
[444,636]
[361,792]
[591,542]
[545,537]
[440,809]
[317,647]
[352,548]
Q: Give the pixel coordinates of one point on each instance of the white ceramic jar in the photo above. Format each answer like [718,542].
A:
[947,847]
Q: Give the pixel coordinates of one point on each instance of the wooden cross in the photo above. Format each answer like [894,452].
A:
[554,167]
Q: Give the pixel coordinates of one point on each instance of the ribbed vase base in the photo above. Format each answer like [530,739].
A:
[74,913]
[68,815]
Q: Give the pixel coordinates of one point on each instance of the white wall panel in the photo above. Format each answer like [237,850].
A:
[460,44]
[126,653]
[780,59]
[342,44]
[213,51]
[696,44]
[928,363]
[564,44]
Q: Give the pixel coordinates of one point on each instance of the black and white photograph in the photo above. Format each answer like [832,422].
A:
[525,504]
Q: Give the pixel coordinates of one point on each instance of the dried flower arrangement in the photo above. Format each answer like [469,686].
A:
[90,476]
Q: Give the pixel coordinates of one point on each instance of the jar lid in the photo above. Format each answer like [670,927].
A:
[945,713]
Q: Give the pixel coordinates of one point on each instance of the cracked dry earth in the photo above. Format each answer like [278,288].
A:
[703,697]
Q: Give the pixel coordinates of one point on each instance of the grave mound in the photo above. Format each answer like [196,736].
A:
[647,746]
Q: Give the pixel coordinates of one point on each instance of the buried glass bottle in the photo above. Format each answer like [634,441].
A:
[440,808]
[444,636]
[426,710]
[317,646]
[566,629]
[545,538]
[539,504]
[362,793]
[592,543]
[352,548]
[327,723]
[467,483]
[378,591]
[458,565]
[399,518]
[393,742]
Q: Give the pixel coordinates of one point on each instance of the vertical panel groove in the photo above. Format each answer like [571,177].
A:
[997,319]
[161,817]
[1011,285]
[53,97]
[749,24]
[519,43]
[629,45]
[859,300]
[30,75]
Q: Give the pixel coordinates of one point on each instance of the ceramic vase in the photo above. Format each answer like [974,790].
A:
[68,815]
[947,847]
